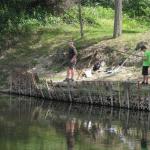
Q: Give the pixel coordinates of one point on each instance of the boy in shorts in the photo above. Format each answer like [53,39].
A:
[72,60]
[146,64]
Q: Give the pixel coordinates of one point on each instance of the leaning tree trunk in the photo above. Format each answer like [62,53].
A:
[118,19]
[80,19]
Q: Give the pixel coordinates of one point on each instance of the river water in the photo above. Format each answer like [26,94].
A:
[30,124]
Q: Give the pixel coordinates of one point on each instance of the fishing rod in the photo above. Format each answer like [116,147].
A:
[123,63]
[130,54]
[126,53]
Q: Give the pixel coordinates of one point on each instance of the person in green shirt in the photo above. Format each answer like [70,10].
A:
[146,64]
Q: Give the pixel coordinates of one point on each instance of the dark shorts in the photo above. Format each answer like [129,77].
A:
[71,65]
[145,70]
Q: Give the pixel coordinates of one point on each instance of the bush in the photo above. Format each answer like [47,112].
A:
[13,22]
[91,15]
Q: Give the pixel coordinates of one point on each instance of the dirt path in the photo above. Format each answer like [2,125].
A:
[124,74]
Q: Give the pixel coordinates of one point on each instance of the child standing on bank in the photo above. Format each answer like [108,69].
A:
[72,60]
[146,64]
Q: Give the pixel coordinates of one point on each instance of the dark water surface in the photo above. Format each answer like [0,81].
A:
[29,124]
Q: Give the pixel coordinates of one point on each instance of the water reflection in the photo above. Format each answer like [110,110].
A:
[144,145]
[30,124]
[70,133]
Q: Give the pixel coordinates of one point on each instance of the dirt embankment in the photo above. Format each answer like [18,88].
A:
[113,52]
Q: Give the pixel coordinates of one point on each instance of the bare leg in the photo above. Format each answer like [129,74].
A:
[68,73]
[143,79]
[146,79]
[72,73]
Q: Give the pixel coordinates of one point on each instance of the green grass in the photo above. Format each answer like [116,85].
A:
[36,39]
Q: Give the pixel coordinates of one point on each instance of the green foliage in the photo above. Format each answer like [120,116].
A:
[138,8]
[104,3]
[71,16]
[11,21]
[134,8]
[24,22]
[21,15]
[91,15]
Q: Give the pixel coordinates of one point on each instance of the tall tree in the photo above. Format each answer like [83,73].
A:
[118,19]
[80,19]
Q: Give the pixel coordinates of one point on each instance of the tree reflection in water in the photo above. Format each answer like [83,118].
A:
[81,126]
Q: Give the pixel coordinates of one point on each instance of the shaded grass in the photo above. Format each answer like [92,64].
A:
[42,41]
[46,41]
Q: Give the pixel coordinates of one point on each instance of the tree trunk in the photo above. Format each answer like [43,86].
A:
[80,19]
[118,19]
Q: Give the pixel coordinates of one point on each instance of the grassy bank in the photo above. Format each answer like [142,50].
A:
[32,39]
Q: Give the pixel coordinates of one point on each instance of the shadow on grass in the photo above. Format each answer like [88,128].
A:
[131,31]
[84,43]
[51,42]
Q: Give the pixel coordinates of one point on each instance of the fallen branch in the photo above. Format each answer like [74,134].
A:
[116,70]
[131,54]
